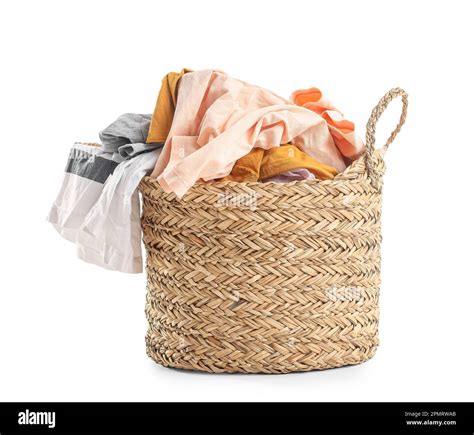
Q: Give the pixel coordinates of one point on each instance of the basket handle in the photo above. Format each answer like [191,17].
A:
[371,124]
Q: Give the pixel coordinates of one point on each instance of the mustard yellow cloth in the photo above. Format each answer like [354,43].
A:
[165,107]
[260,164]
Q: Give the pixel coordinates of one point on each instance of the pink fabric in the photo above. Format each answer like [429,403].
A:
[219,119]
[300,174]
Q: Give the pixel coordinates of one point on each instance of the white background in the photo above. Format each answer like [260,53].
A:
[72,331]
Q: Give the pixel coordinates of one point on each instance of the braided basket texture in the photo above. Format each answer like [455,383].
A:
[265,277]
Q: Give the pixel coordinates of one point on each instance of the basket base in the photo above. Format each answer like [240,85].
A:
[292,363]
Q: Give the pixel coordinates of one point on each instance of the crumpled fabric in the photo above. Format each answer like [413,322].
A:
[98,207]
[300,174]
[165,107]
[131,150]
[126,136]
[88,167]
[342,130]
[260,164]
[219,119]
[126,129]
[110,235]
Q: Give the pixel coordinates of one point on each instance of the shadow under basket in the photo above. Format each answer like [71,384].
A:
[265,277]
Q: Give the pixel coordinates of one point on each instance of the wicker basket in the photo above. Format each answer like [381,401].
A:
[265,277]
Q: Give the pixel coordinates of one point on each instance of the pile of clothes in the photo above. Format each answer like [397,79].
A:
[206,127]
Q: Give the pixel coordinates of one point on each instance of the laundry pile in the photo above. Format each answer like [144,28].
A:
[206,127]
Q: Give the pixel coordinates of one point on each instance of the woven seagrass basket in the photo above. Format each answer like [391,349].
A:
[265,277]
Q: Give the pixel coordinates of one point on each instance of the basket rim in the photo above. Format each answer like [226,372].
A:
[343,176]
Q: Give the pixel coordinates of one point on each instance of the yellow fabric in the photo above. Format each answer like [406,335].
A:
[165,106]
[247,168]
[261,164]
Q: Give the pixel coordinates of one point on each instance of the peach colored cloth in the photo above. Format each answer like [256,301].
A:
[219,119]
